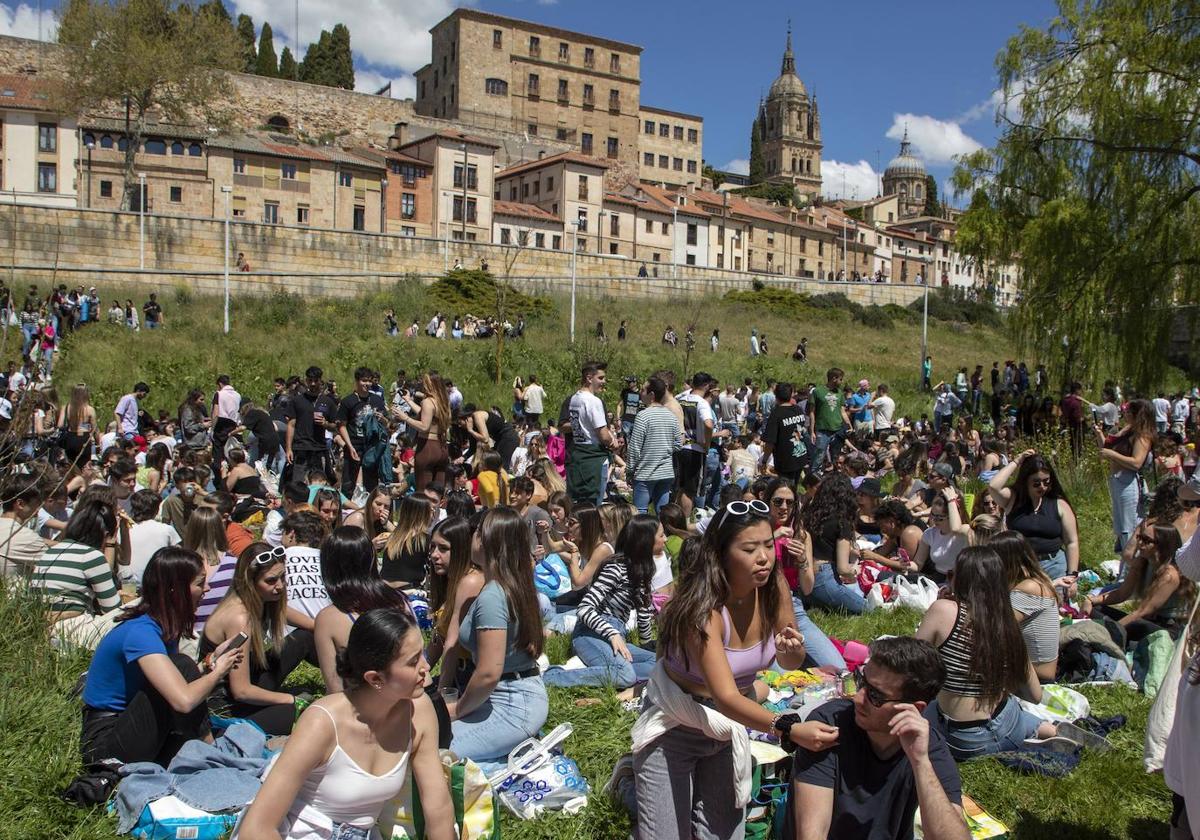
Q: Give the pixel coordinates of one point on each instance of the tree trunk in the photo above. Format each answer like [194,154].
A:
[133,142]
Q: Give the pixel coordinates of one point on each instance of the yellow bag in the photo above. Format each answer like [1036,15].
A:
[476,812]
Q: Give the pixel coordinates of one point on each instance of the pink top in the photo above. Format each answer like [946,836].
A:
[745,663]
[228,403]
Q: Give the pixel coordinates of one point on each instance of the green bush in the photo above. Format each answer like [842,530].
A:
[950,304]
[875,317]
[477,292]
[781,301]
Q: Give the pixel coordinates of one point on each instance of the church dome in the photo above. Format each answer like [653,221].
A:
[788,83]
[905,165]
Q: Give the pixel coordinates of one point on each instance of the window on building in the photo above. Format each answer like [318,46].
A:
[523,238]
[614,100]
[535,46]
[525,190]
[691,234]
[890,217]
[47,137]
[677,164]
[613,147]
[614,63]
[656,257]
[497,39]
[346,179]
[648,158]
[457,211]
[563,91]
[678,132]
[539,240]
[664,130]
[271,212]
[649,226]
[532,129]
[194,150]
[589,57]
[287,171]
[564,51]
[614,224]
[106,141]
[690,259]
[693,135]
[176,148]
[589,96]
[556,242]
[532,88]
[583,220]
[89,139]
[666,228]
[917,191]
[155,146]
[737,263]
[770,237]
[47,178]
[505,236]
[176,194]
[495,87]
[512,192]
[581,243]
[560,133]
[537,187]
[472,176]
[408,174]
[106,189]
[408,206]
[302,214]
[239,166]
[122,144]
[360,217]
[583,188]
[585,143]
[663,162]
[691,167]
[648,127]
[550,184]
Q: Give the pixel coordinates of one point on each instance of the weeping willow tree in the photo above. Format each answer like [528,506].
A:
[1092,187]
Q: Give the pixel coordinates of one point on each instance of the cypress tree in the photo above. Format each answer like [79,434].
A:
[341,59]
[287,65]
[245,34]
[267,64]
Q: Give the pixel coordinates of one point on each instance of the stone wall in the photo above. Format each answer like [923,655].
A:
[96,247]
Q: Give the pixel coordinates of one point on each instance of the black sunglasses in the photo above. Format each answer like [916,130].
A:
[874,696]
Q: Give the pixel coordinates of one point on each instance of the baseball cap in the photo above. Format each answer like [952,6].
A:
[944,470]
[870,487]
[1190,492]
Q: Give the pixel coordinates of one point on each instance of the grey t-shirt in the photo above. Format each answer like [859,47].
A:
[490,612]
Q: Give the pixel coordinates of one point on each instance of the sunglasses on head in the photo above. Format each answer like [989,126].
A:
[263,558]
[874,696]
[741,508]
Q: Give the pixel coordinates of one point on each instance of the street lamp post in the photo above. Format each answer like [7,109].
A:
[574,248]
[674,241]
[383,185]
[227,191]
[464,196]
[142,220]
[600,232]
[90,145]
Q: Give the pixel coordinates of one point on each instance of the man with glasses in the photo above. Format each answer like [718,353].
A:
[888,759]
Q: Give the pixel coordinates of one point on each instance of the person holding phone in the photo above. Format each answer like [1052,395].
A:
[143,699]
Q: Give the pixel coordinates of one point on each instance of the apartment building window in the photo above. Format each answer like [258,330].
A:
[614,224]
[495,87]
[563,94]
[589,57]
[531,129]
[177,148]
[666,228]
[408,206]
[302,214]
[537,187]
[287,171]
[585,143]
[613,248]
[106,141]
[505,236]
[664,130]
[677,164]
[663,161]
[524,190]
[648,128]
[770,237]
[581,243]
[472,176]
[690,259]
[693,135]
[691,234]
[451,94]
[360,217]
[239,210]
[152,146]
[408,174]
[556,242]
[106,189]
[678,132]
[583,188]
[512,192]
[176,195]
[535,46]
[649,226]
[583,220]
[457,211]
[422,88]
[271,212]
[560,133]
[613,146]
[564,51]
[589,96]
[614,63]
[47,137]
[523,238]
[737,263]
[345,179]
[239,166]
[532,88]
[47,178]
[497,39]
[691,167]
[550,184]
[614,100]
[539,240]
[648,158]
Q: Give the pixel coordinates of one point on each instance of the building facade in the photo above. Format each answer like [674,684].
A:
[790,127]
[670,146]
[38,148]
[904,178]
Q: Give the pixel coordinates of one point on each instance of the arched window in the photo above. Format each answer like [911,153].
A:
[495,87]
[122,143]
[795,164]
[106,141]
[194,150]
[89,139]
[808,165]
[155,146]
[917,191]
[176,148]
[279,121]
[904,190]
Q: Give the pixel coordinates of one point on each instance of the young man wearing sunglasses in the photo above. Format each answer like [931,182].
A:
[888,759]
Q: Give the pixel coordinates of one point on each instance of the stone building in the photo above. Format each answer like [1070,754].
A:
[790,126]
[37,146]
[464,169]
[670,145]
[569,186]
[905,178]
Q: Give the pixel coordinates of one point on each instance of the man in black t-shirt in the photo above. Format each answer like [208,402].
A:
[265,444]
[786,435]
[152,313]
[309,412]
[888,759]
[360,416]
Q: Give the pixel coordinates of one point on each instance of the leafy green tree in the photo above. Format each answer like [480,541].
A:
[288,69]
[342,60]
[267,64]
[316,66]
[1092,187]
[217,8]
[245,34]
[758,167]
[933,207]
[153,55]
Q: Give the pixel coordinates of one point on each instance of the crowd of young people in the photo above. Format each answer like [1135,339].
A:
[703,532]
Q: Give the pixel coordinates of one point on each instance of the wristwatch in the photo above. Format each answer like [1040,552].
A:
[783,724]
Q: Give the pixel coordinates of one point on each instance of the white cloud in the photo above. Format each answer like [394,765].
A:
[997,104]
[383,33]
[22,21]
[937,142]
[861,181]
[738,166]
[369,81]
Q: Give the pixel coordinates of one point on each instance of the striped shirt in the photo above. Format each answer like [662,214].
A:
[219,582]
[653,440]
[1039,627]
[610,597]
[956,657]
[73,576]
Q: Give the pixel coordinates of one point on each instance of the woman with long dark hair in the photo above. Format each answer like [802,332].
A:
[730,617]
[829,519]
[1125,453]
[81,431]
[351,751]
[1034,603]
[353,584]
[194,421]
[431,421]
[901,537]
[585,530]
[74,575]
[375,517]
[621,586]
[986,661]
[504,702]
[454,582]
[1036,507]
[256,605]
[143,699]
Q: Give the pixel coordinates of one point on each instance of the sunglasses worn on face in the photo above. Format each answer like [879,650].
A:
[1040,482]
[275,555]
[874,696]
[779,501]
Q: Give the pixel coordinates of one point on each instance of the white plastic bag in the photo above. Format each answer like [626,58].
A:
[540,778]
[1059,703]
[876,601]
[917,596]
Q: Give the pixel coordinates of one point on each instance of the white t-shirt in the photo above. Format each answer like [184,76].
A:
[662,572]
[534,395]
[145,538]
[943,548]
[273,528]
[1162,407]
[305,586]
[587,418]
[884,407]
[1181,410]
[20,548]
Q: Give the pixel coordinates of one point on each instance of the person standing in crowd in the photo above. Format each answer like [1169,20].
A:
[591,439]
[152,313]
[630,404]
[226,402]
[651,446]
[976,389]
[754,348]
[534,398]
[926,373]
[81,432]
[945,403]
[784,438]
[362,426]
[127,409]
[883,408]
[698,428]
[858,406]
[304,444]
[1126,452]
[1162,413]
[430,418]
[827,420]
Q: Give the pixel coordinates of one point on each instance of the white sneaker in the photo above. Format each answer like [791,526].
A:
[543,662]
[573,664]
[1088,740]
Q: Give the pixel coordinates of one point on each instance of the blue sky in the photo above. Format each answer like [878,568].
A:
[874,65]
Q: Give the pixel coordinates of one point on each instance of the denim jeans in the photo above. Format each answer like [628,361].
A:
[1006,731]
[657,491]
[820,450]
[515,711]
[1124,492]
[819,648]
[685,787]
[604,666]
[1054,565]
[831,593]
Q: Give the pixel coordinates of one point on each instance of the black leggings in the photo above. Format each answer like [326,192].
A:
[278,718]
[1135,630]
[148,729]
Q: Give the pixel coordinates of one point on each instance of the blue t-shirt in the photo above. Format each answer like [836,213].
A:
[490,612]
[115,677]
[857,404]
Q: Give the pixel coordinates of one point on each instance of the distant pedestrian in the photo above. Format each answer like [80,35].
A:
[243,264]
[153,313]
[754,348]
[715,341]
[621,331]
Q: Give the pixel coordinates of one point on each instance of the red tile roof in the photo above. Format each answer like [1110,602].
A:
[561,157]
[454,136]
[24,92]
[515,208]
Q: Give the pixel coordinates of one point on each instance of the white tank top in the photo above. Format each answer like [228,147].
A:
[662,572]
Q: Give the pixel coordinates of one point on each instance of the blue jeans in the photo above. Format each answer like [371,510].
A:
[515,711]
[657,491]
[819,648]
[1054,565]
[604,666]
[828,445]
[831,593]
[1006,731]
[1124,492]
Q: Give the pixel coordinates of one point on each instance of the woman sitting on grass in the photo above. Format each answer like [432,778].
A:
[901,538]
[1033,600]
[73,574]
[143,699]
[351,751]
[256,605]
[375,518]
[405,553]
[829,519]
[454,582]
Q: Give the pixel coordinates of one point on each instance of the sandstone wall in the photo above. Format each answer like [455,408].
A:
[96,247]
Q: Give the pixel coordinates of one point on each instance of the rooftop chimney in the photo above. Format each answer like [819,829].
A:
[397,138]
[541,153]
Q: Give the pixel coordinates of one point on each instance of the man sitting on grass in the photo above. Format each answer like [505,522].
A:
[887,761]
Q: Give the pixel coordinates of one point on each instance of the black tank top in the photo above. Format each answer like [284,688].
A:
[1042,528]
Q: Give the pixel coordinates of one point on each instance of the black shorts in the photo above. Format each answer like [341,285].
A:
[689,469]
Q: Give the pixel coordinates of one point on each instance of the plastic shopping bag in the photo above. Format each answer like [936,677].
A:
[915,596]
[551,576]
[540,778]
